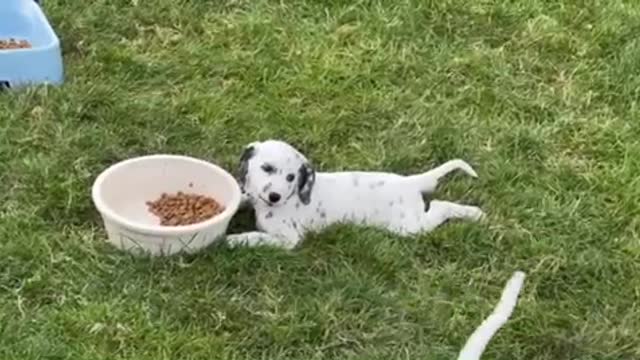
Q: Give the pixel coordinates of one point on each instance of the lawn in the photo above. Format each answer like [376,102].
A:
[541,97]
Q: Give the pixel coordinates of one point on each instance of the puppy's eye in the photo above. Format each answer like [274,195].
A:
[290,177]
[269,169]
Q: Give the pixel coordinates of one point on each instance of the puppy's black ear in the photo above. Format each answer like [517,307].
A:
[306,179]
[247,154]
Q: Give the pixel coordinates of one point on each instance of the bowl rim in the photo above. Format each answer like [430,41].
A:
[106,211]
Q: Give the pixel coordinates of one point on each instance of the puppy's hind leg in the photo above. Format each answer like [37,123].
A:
[441,211]
[428,181]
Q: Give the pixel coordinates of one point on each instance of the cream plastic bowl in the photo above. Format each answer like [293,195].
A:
[121,192]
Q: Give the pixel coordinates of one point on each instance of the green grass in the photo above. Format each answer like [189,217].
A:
[542,97]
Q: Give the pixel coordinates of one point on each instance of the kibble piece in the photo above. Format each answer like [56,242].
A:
[184,209]
[14,44]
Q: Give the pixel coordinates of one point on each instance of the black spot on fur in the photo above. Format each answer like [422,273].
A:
[268,168]
[427,202]
[376,184]
[269,215]
[323,214]
[247,154]
[306,180]
[356,181]
[391,203]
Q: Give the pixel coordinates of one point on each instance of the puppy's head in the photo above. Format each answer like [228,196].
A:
[274,172]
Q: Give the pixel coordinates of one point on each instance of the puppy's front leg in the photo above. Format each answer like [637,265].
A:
[258,238]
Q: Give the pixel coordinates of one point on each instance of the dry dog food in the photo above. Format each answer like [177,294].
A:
[184,209]
[14,44]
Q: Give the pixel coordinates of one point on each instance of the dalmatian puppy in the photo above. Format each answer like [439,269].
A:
[289,198]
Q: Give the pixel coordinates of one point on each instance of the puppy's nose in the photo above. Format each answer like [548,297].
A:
[274,197]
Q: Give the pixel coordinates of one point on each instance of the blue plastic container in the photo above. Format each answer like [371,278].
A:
[40,64]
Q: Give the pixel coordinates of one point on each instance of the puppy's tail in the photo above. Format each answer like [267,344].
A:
[428,181]
[476,344]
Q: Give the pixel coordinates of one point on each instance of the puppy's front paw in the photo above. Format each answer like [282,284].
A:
[237,240]
[256,238]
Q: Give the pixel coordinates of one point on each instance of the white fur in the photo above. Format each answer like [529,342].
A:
[385,200]
[478,341]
